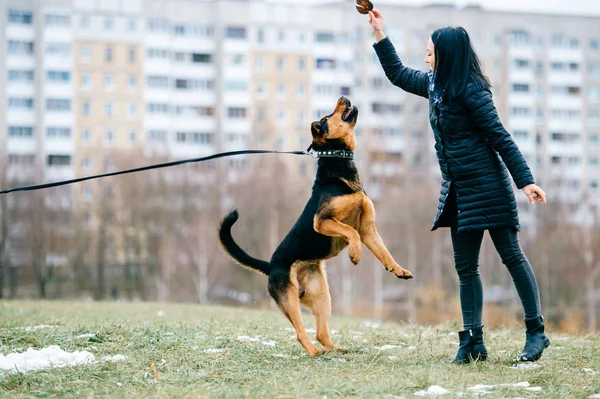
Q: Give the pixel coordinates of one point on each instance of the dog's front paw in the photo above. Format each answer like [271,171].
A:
[355,252]
[402,273]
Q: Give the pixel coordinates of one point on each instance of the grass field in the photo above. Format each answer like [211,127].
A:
[220,352]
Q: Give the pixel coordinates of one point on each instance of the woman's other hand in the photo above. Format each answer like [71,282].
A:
[531,189]
[376,22]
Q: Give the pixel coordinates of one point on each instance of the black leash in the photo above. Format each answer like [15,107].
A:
[310,151]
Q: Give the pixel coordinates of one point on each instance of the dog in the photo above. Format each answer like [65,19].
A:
[338,214]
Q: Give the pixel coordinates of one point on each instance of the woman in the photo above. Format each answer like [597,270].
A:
[476,192]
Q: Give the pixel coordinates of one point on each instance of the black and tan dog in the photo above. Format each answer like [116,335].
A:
[338,214]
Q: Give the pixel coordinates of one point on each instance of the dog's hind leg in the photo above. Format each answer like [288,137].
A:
[284,291]
[315,295]
[371,238]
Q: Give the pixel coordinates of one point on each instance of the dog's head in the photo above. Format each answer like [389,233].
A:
[336,130]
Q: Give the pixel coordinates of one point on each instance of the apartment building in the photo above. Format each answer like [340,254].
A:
[88,83]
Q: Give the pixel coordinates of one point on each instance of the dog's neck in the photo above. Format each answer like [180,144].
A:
[336,170]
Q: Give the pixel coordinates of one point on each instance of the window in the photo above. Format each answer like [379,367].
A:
[20,75]
[236,112]
[108,54]
[59,76]
[109,82]
[109,24]
[281,90]
[22,132]
[86,136]
[593,185]
[158,82]
[260,88]
[521,134]
[20,103]
[132,56]
[236,85]
[521,111]
[521,64]
[260,63]
[593,161]
[520,88]
[325,63]
[109,109]
[593,116]
[382,108]
[194,137]
[86,108]
[16,47]
[86,53]
[281,63]
[301,118]
[20,17]
[132,110]
[132,136]
[282,116]
[157,53]
[59,160]
[58,49]
[158,25]
[58,104]
[193,84]
[158,108]
[594,139]
[301,89]
[110,165]
[199,58]
[157,135]
[235,32]
[324,37]
[301,65]
[84,22]
[260,37]
[132,82]
[57,20]
[345,91]
[110,137]
[281,36]
[594,93]
[58,133]
[86,164]
[132,25]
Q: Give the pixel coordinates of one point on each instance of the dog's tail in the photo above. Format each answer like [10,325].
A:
[234,250]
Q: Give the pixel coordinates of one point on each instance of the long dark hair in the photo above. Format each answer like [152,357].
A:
[456,63]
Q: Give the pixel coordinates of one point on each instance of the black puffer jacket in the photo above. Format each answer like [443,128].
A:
[473,150]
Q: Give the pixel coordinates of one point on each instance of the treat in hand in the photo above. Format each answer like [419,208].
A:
[364,6]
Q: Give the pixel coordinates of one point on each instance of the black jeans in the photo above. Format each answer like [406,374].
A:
[466,247]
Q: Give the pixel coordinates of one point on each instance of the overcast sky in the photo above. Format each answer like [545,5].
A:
[579,7]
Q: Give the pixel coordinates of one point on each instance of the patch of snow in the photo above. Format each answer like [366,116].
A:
[337,359]
[502,351]
[393,357]
[245,338]
[115,358]
[433,390]
[385,347]
[557,347]
[35,328]
[596,396]
[160,313]
[51,356]
[373,324]
[480,388]
[169,333]
[356,332]
[269,343]
[333,332]
[525,366]
[214,350]
[412,348]
[86,336]
[590,371]
[286,356]
[534,389]
[311,330]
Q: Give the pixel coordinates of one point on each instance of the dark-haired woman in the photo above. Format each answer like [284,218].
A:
[474,152]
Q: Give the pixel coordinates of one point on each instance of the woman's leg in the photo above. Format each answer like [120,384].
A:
[507,244]
[506,241]
[466,247]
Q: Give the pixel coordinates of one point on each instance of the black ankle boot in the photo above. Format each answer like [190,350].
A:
[536,340]
[464,350]
[478,349]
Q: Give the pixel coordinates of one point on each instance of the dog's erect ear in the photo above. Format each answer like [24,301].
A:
[315,128]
